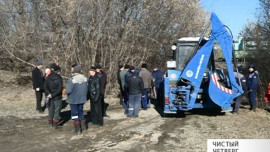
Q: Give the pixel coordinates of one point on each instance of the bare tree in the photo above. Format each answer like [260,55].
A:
[90,31]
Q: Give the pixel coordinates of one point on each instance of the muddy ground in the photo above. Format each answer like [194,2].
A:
[22,129]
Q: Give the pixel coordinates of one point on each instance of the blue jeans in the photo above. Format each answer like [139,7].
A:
[145,99]
[77,112]
[134,105]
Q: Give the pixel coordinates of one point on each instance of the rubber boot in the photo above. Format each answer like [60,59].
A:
[55,124]
[253,108]
[83,125]
[50,122]
[77,127]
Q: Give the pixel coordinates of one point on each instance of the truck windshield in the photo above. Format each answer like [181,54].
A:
[182,55]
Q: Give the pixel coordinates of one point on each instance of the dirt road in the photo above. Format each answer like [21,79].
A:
[23,129]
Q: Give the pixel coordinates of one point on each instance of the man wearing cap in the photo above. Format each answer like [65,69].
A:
[158,88]
[103,77]
[53,87]
[94,90]
[136,92]
[76,90]
[38,85]
[252,86]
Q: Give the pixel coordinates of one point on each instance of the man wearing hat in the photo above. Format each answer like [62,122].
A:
[53,87]
[77,95]
[252,86]
[95,94]
[103,77]
[38,84]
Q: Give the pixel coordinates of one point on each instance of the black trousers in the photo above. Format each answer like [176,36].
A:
[39,95]
[96,112]
[104,105]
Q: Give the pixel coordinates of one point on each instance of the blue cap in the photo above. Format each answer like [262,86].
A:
[39,63]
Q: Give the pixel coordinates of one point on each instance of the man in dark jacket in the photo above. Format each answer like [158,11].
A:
[76,89]
[136,91]
[158,79]
[94,90]
[103,77]
[252,86]
[38,85]
[53,87]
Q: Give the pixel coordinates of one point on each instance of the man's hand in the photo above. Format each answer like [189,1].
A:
[50,96]
[37,89]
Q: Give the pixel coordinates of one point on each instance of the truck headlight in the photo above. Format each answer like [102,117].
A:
[173,47]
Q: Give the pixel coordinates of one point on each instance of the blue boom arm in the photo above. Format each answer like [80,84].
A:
[194,71]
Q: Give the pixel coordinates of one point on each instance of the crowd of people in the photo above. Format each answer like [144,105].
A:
[136,85]
[78,90]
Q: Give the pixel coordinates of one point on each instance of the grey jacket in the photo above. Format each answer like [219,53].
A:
[77,89]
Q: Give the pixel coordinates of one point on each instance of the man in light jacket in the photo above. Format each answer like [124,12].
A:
[77,95]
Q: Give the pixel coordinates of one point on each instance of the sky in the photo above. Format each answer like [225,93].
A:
[233,13]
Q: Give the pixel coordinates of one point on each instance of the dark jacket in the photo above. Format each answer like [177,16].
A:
[38,79]
[135,84]
[54,85]
[94,88]
[103,76]
[158,78]
[77,89]
[252,81]
[127,75]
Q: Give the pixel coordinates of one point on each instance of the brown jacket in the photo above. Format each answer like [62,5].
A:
[147,78]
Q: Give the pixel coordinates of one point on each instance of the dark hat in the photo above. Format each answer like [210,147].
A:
[144,65]
[120,66]
[240,68]
[126,66]
[39,63]
[92,68]
[53,66]
[131,68]
[251,66]
[73,65]
[57,69]
[98,66]
[77,69]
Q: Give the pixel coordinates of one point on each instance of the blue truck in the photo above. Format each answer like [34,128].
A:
[193,81]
